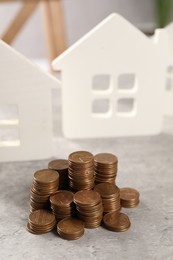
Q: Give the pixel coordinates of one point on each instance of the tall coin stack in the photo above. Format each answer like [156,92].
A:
[81,170]
[61,166]
[89,207]
[45,183]
[105,167]
[110,195]
[62,204]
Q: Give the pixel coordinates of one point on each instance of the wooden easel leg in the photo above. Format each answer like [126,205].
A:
[19,21]
[54,28]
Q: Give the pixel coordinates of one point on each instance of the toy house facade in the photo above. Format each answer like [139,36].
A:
[167,36]
[25,108]
[110,84]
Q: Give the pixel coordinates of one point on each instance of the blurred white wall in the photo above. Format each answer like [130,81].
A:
[80,16]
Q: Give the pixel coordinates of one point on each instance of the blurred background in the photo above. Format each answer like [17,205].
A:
[80,16]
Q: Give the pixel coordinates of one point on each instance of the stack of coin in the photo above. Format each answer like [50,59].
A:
[105,167]
[89,207]
[62,204]
[116,221]
[129,197]
[45,182]
[61,166]
[110,195]
[41,221]
[70,228]
[81,171]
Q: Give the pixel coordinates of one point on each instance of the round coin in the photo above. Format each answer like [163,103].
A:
[105,158]
[128,194]
[46,176]
[80,157]
[116,221]
[71,227]
[62,198]
[41,217]
[59,164]
[87,198]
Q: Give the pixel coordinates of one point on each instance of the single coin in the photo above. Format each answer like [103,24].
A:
[87,197]
[106,189]
[70,226]
[129,194]
[59,164]
[80,157]
[41,217]
[105,158]
[116,221]
[46,176]
[62,198]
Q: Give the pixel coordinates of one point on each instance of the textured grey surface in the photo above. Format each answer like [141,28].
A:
[145,163]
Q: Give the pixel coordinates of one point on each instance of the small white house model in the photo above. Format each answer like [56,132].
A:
[25,108]
[112,82]
[167,34]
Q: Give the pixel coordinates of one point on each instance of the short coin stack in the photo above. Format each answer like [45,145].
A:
[45,182]
[105,167]
[62,204]
[70,228]
[41,221]
[116,221]
[61,166]
[89,207]
[129,197]
[110,195]
[81,170]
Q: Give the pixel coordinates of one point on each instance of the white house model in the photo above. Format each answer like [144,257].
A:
[167,34]
[25,108]
[112,82]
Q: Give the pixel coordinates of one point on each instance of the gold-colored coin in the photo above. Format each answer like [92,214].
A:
[116,221]
[46,176]
[70,228]
[129,197]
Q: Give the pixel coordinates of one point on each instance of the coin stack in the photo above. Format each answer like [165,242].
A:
[116,221]
[129,197]
[110,195]
[41,221]
[105,167]
[62,204]
[70,228]
[81,171]
[89,207]
[61,166]
[45,182]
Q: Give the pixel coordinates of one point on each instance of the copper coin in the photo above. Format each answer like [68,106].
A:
[41,217]
[116,221]
[106,190]
[46,176]
[80,157]
[70,226]
[105,158]
[129,194]
[62,198]
[59,164]
[87,197]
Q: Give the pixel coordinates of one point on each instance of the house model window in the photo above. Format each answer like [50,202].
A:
[9,125]
[169,81]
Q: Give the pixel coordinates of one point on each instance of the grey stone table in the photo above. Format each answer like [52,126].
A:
[145,163]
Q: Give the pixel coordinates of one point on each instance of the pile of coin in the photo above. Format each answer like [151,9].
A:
[129,197]
[70,228]
[116,221]
[89,207]
[61,166]
[110,195]
[62,204]
[105,167]
[81,170]
[41,221]
[45,182]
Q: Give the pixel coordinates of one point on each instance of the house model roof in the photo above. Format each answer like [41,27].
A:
[120,30]
[17,68]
